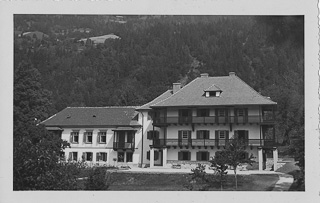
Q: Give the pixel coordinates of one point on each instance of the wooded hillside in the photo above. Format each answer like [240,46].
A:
[155,51]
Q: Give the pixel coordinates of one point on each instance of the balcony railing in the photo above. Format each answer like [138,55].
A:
[208,142]
[123,145]
[214,119]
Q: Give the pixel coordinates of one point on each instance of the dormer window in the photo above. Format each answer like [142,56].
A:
[212,91]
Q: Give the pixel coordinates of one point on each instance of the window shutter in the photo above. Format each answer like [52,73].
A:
[198,134]
[71,138]
[189,134]
[84,156]
[97,156]
[227,115]
[84,137]
[179,155]
[217,137]
[227,135]
[246,137]
[189,156]
[70,156]
[236,115]
[198,156]
[208,156]
[208,134]
[148,155]
[179,135]
[217,115]
[98,138]
[91,158]
[246,115]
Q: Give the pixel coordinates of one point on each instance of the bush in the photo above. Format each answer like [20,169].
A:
[99,179]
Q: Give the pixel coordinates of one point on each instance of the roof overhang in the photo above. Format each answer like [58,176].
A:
[125,129]
[210,105]
[54,128]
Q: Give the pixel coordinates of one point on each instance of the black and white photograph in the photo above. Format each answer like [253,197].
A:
[196,105]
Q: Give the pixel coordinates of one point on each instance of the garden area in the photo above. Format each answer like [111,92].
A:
[130,181]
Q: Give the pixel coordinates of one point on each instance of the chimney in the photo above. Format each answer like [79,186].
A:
[232,73]
[176,87]
[204,75]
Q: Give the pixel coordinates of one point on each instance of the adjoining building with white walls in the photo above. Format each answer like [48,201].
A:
[182,126]
[99,135]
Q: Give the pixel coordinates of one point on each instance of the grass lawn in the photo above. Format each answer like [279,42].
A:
[128,181]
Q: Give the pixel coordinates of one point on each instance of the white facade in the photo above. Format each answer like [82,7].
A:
[99,146]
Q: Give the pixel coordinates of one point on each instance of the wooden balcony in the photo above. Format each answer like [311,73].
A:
[123,145]
[208,142]
[213,120]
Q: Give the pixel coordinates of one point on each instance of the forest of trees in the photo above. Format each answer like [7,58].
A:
[152,53]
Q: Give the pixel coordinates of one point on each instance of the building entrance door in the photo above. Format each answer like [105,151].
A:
[159,160]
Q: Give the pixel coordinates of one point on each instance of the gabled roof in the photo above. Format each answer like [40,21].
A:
[212,88]
[234,92]
[93,116]
[163,96]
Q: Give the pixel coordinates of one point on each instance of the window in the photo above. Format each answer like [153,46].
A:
[185,134]
[87,137]
[221,112]
[240,112]
[130,137]
[73,156]
[185,116]
[101,156]
[129,156]
[184,156]
[184,112]
[203,156]
[120,156]
[203,112]
[212,93]
[102,137]
[87,156]
[222,134]
[74,137]
[152,135]
[203,134]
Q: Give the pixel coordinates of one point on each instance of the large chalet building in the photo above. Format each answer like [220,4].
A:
[185,126]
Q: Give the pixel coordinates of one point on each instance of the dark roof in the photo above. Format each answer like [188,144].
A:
[93,116]
[234,92]
[163,96]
